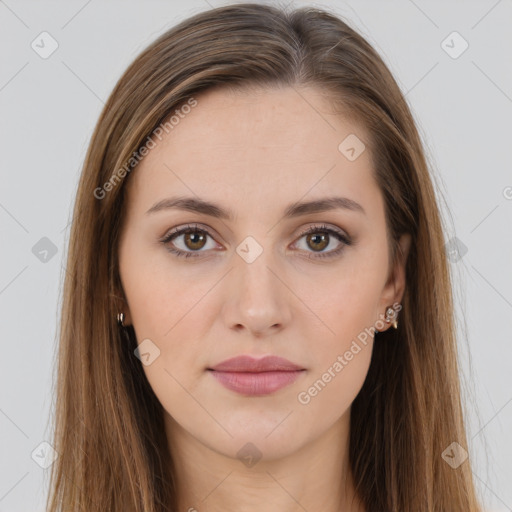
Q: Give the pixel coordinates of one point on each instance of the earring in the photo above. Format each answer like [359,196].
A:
[120,319]
[391,317]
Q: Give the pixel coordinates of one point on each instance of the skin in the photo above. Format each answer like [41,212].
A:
[255,152]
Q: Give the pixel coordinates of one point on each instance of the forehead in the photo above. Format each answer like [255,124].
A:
[258,146]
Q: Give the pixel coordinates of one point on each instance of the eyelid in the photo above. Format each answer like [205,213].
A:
[191,226]
[325,227]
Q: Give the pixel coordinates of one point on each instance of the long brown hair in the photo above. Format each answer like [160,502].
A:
[109,430]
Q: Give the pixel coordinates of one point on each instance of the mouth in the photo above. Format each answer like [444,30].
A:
[256,377]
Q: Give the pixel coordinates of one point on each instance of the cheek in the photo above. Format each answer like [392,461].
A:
[167,307]
[342,358]
[348,305]
[157,295]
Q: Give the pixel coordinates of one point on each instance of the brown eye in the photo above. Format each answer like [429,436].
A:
[318,241]
[194,240]
[189,241]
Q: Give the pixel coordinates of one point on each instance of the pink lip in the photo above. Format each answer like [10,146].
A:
[249,376]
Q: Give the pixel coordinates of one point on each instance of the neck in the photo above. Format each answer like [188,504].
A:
[316,476]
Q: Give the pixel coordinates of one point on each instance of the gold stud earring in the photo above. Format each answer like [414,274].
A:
[391,317]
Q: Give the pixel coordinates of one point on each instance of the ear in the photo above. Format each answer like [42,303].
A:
[394,288]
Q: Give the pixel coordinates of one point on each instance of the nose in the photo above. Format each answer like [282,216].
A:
[259,298]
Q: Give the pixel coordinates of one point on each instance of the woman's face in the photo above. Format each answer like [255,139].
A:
[250,280]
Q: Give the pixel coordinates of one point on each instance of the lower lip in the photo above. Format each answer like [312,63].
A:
[256,383]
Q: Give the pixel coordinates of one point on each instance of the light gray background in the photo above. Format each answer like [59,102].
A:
[48,111]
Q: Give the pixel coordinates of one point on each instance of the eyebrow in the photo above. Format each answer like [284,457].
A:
[296,209]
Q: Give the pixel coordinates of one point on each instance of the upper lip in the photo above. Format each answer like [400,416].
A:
[250,364]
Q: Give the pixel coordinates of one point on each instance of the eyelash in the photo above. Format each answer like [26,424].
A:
[346,241]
